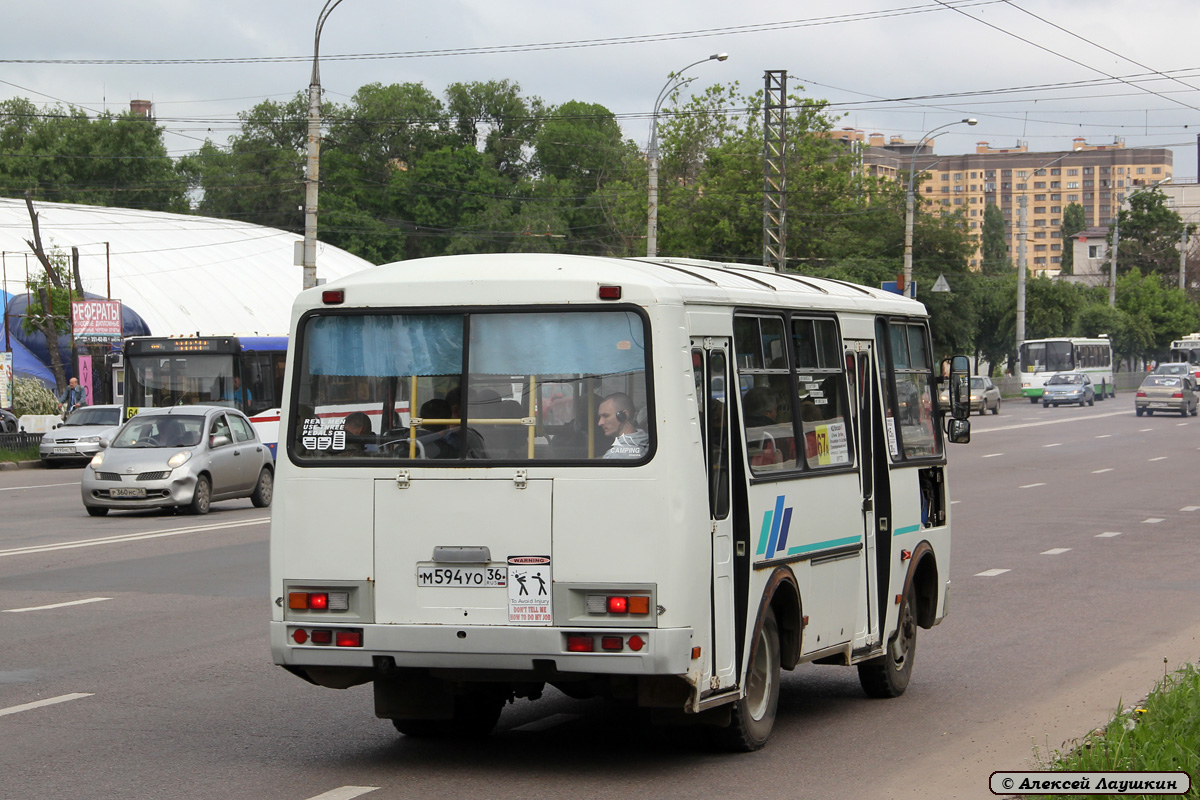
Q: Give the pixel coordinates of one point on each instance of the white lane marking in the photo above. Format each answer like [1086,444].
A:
[131,537]
[1159,458]
[1152,520]
[1050,422]
[1108,534]
[344,793]
[991,573]
[955,502]
[1098,471]
[1032,485]
[1190,508]
[38,486]
[552,721]
[1180,424]
[56,605]
[1104,436]
[1145,430]
[1055,551]
[49,701]
[1056,444]
[993,455]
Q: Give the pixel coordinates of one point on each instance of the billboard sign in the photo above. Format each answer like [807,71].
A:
[96,321]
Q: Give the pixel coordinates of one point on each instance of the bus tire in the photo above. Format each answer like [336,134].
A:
[1033,400]
[1103,391]
[202,497]
[753,717]
[264,489]
[889,674]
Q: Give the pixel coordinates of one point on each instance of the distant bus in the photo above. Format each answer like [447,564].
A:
[245,372]
[1186,349]
[1043,358]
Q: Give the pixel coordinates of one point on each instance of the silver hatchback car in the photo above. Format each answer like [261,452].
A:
[182,456]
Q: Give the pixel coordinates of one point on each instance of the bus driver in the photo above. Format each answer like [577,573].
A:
[615,416]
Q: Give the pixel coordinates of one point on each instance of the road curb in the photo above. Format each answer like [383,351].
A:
[7,465]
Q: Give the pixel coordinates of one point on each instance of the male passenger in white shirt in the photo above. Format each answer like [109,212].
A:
[615,416]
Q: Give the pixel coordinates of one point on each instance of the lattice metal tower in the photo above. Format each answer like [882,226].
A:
[775,170]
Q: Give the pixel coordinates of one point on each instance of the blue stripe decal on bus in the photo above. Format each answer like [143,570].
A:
[909,529]
[763,535]
[787,523]
[808,548]
[775,523]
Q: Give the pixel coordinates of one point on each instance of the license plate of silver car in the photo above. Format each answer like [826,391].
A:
[128,492]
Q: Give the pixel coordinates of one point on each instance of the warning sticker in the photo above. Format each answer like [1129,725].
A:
[529,590]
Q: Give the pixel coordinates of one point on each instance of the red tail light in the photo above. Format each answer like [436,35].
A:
[577,643]
[349,638]
[618,605]
[1178,394]
[612,643]
[318,601]
[1141,393]
[322,637]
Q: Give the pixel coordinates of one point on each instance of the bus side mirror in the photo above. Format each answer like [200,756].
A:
[958,431]
[956,372]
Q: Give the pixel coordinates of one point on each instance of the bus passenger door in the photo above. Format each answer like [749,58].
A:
[860,372]
[710,368]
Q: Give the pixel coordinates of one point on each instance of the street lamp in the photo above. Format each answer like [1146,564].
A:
[908,202]
[672,83]
[1112,278]
[314,154]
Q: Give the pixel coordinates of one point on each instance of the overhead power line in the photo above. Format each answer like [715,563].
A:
[837,19]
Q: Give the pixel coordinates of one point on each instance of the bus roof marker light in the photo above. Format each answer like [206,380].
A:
[333,297]
[610,292]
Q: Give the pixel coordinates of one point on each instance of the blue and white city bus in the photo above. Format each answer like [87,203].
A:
[661,481]
[245,372]
[1042,359]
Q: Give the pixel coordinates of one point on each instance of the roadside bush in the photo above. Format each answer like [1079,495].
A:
[32,397]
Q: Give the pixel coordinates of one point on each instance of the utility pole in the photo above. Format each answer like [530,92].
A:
[1112,261]
[1021,281]
[775,170]
[1183,237]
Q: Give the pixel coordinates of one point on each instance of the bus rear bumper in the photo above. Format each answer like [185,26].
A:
[659,651]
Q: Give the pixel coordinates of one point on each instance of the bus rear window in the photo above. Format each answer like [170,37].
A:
[554,386]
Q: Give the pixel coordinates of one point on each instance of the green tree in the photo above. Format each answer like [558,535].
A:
[494,117]
[64,155]
[1150,234]
[1156,312]
[995,242]
[1074,220]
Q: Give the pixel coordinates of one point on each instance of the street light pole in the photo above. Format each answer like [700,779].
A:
[672,83]
[312,174]
[909,203]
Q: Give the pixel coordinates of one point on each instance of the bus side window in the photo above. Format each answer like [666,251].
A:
[765,381]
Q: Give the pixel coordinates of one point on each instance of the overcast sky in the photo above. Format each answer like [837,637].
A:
[892,66]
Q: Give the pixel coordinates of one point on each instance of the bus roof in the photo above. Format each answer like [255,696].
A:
[521,279]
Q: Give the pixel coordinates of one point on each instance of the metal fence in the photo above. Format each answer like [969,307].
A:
[19,441]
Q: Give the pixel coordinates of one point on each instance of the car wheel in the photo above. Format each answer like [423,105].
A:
[1149,413]
[754,714]
[202,498]
[264,489]
[1137,411]
[1091,400]
[1195,408]
[996,408]
[48,464]
[96,511]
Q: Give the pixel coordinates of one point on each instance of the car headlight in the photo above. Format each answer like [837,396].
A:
[89,439]
[179,459]
[97,460]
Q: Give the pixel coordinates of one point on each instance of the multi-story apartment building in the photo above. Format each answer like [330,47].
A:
[1095,176]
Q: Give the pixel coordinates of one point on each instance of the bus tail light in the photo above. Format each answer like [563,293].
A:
[610,292]
[639,604]
[322,637]
[319,601]
[618,605]
[612,643]
[633,604]
[349,639]
[636,643]
[578,643]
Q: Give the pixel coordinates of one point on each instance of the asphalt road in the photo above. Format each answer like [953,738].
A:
[134,659]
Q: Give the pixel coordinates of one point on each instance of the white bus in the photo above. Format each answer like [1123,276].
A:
[578,499]
[1042,359]
[1187,350]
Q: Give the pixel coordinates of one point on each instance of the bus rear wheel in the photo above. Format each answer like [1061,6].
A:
[753,717]
[889,674]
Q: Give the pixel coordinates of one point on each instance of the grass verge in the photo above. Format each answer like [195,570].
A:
[1162,734]
[24,454]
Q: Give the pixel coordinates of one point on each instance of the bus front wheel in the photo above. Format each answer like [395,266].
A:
[889,674]
[753,716]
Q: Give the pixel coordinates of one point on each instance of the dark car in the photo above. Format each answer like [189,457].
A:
[8,421]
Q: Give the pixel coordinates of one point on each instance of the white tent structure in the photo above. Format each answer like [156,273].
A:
[183,274]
